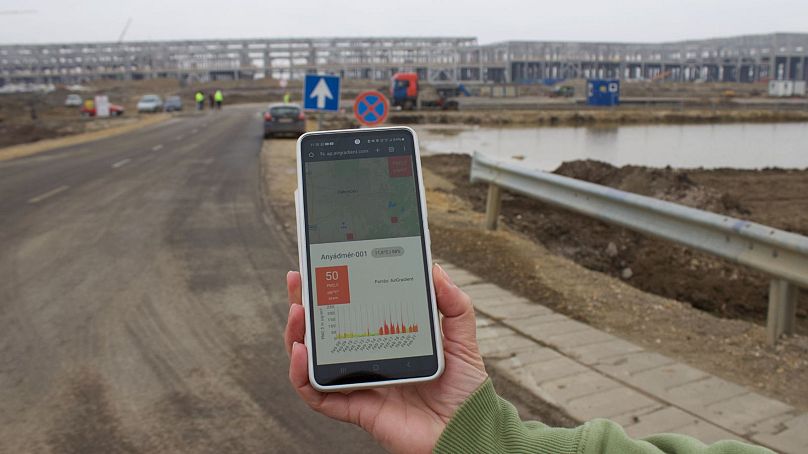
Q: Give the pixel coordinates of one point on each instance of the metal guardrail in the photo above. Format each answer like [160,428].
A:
[781,254]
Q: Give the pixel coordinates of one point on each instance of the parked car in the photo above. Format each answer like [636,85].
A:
[284,119]
[173,103]
[88,109]
[563,91]
[73,100]
[150,103]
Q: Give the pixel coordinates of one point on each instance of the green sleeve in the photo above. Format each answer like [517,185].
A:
[486,423]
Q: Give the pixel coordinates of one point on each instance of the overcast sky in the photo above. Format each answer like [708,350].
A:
[492,20]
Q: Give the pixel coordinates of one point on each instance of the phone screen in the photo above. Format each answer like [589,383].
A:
[367,263]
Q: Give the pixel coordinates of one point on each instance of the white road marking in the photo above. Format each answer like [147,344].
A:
[50,193]
[157,147]
[180,137]
[194,131]
[121,163]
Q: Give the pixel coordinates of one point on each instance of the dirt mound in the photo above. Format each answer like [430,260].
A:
[673,185]
[657,266]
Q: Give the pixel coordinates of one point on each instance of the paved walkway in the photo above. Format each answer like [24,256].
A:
[593,374]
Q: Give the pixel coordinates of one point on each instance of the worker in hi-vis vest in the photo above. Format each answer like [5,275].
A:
[199,97]
[218,97]
[287,98]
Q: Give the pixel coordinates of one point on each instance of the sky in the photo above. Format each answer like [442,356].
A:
[41,21]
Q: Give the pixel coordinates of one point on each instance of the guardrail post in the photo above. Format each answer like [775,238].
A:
[782,309]
[492,205]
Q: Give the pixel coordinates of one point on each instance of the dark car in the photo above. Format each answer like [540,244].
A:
[284,119]
[173,103]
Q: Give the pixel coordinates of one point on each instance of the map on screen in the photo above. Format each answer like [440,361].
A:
[361,199]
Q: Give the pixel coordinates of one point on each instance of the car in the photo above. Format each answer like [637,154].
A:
[88,109]
[284,118]
[173,103]
[73,100]
[563,91]
[150,103]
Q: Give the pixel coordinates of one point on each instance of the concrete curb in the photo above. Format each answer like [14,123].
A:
[590,374]
[28,149]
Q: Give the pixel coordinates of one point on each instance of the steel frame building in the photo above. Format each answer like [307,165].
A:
[746,58]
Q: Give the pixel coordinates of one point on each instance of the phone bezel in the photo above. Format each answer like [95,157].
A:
[356,375]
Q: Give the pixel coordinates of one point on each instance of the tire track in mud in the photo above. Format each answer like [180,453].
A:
[86,422]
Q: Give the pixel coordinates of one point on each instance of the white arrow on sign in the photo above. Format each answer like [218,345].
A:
[321,92]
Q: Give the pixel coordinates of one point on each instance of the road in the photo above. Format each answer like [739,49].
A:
[142,299]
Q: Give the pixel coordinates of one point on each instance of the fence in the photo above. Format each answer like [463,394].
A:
[778,253]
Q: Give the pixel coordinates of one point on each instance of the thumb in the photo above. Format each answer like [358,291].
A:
[458,314]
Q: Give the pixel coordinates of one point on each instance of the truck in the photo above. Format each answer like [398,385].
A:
[408,93]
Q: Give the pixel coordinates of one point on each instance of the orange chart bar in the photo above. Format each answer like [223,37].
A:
[396,328]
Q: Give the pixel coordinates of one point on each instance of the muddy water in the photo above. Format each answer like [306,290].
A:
[747,146]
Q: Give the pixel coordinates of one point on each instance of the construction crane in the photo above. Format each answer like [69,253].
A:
[125,28]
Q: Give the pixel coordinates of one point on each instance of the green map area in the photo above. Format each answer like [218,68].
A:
[361,199]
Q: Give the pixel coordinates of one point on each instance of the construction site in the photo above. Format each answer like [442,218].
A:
[145,248]
[750,58]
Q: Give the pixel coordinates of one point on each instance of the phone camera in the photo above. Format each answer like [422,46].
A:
[357,141]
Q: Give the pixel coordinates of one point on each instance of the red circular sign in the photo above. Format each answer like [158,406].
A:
[371,108]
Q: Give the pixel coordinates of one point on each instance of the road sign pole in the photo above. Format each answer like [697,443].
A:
[319,121]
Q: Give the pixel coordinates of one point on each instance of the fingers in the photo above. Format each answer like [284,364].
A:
[452,302]
[293,287]
[333,405]
[296,321]
[299,367]
[295,327]
[458,323]
[299,376]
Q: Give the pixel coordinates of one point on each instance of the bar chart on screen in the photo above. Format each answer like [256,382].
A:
[372,326]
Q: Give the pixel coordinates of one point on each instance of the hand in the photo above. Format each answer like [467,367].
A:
[407,418]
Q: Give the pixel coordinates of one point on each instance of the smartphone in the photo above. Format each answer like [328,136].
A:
[365,261]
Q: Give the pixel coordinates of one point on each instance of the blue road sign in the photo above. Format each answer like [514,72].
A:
[371,108]
[321,93]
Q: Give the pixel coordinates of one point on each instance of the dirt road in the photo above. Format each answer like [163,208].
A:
[142,299]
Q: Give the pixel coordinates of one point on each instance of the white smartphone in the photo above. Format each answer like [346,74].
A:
[365,261]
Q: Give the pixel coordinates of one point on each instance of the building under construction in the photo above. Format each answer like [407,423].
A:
[747,58]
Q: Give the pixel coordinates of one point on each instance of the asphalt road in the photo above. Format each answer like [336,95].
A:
[142,299]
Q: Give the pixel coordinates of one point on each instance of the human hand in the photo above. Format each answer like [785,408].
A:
[407,418]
